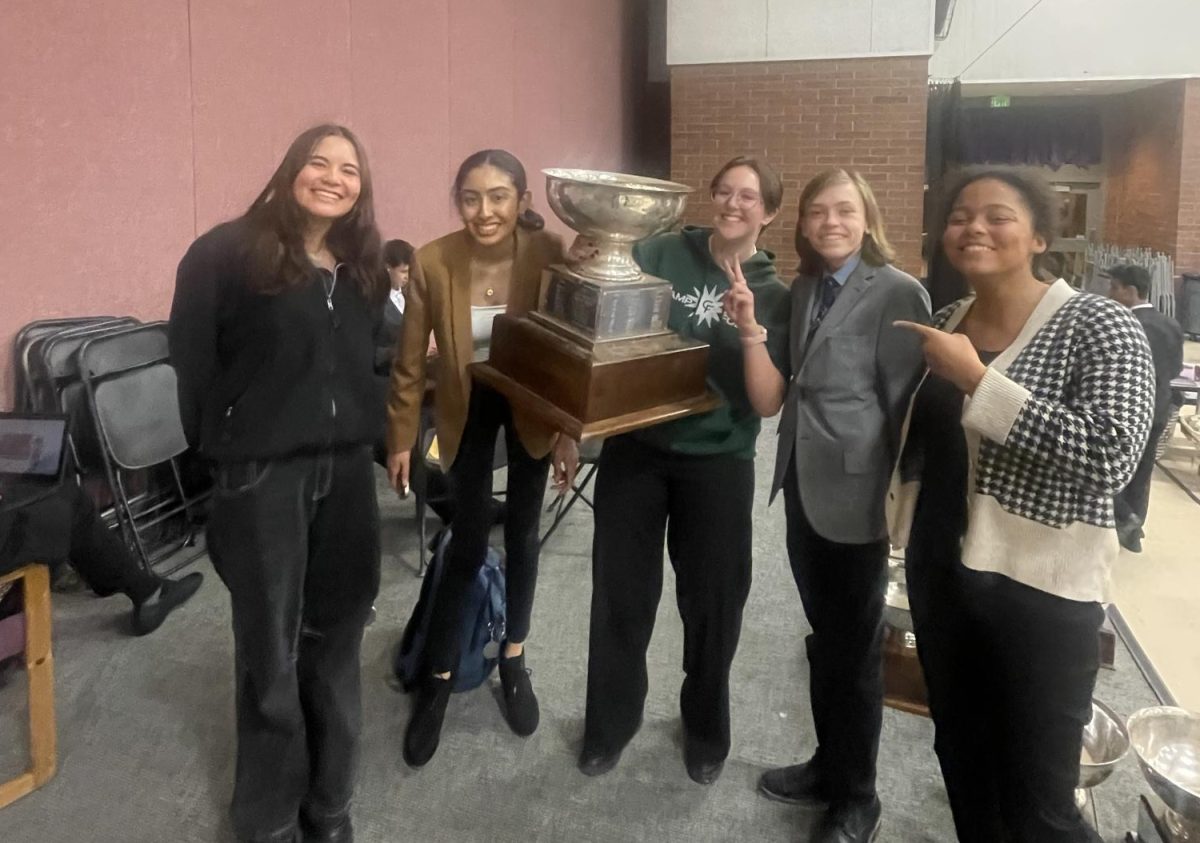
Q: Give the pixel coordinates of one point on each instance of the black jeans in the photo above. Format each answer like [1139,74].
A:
[65,525]
[296,541]
[1010,671]
[1134,499]
[702,504]
[471,484]
[842,588]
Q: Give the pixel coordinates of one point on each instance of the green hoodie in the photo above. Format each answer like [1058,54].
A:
[698,286]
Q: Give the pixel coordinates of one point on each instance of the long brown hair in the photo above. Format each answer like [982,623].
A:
[876,250]
[275,249]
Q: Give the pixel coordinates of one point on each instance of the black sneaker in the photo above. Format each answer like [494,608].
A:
[425,725]
[520,703]
[150,613]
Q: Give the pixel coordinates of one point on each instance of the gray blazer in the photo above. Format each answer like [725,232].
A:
[847,397]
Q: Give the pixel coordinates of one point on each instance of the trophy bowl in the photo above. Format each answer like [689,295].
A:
[615,210]
[896,612]
[1166,741]
[1105,743]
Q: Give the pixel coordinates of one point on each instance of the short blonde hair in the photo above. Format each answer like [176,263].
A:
[876,250]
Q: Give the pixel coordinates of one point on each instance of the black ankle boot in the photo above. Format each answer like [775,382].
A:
[425,724]
[520,703]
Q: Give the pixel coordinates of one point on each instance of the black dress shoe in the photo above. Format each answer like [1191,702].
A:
[799,784]
[150,613]
[337,830]
[520,703]
[850,822]
[700,768]
[597,762]
[425,724]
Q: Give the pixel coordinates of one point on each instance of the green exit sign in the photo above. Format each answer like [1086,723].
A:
[1000,101]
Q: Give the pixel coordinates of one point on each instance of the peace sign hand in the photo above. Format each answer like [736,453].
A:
[738,301]
[950,356]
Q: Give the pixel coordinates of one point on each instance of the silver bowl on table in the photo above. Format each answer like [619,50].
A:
[1105,745]
[1166,741]
[896,612]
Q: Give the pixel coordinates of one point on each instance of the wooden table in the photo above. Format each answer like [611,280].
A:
[39,666]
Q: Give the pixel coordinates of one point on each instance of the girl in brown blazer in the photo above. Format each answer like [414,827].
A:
[459,283]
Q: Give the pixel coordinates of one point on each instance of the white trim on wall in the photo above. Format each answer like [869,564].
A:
[741,31]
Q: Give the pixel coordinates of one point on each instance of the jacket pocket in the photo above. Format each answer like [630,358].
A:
[867,460]
[236,478]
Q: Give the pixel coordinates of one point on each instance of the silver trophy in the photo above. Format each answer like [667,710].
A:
[606,296]
[1105,744]
[597,357]
[1166,741]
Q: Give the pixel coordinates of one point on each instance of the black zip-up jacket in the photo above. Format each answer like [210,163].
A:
[269,375]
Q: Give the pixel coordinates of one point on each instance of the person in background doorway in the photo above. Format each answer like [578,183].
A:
[1130,285]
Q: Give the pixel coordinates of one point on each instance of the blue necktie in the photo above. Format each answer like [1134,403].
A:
[828,294]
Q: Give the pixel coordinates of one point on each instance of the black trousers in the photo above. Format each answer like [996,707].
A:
[296,541]
[471,484]
[842,588]
[703,506]
[65,525]
[1134,499]
[1010,671]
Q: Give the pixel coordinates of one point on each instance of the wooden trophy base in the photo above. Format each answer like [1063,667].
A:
[903,681]
[611,388]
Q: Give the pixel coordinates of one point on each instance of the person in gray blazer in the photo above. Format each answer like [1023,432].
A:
[843,403]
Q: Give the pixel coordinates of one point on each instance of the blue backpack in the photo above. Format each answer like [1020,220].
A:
[483,623]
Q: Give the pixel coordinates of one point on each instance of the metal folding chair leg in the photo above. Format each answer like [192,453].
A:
[563,504]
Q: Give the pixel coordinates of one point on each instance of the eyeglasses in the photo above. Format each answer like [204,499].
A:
[741,198]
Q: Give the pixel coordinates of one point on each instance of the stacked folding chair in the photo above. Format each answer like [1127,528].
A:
[133,398]
[136,485]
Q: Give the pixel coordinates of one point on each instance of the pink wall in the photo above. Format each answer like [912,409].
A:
[131,126]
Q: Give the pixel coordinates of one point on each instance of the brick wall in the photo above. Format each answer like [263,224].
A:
[1152,152]
[1187,248]
[803,117]
[1142,152]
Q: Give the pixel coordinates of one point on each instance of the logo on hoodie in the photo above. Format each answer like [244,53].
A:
[706,304]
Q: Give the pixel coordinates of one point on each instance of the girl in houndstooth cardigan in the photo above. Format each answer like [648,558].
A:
[1031,417]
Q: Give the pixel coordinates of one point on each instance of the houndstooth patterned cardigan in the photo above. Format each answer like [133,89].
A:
[1054,430]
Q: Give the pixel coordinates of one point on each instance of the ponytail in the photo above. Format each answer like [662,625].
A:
[531,220]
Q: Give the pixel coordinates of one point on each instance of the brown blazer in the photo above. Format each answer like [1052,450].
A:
[439,299]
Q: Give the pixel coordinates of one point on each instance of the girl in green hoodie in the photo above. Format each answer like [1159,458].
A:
[690,481]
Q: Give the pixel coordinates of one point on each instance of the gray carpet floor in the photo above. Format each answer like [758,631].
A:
[145,726]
